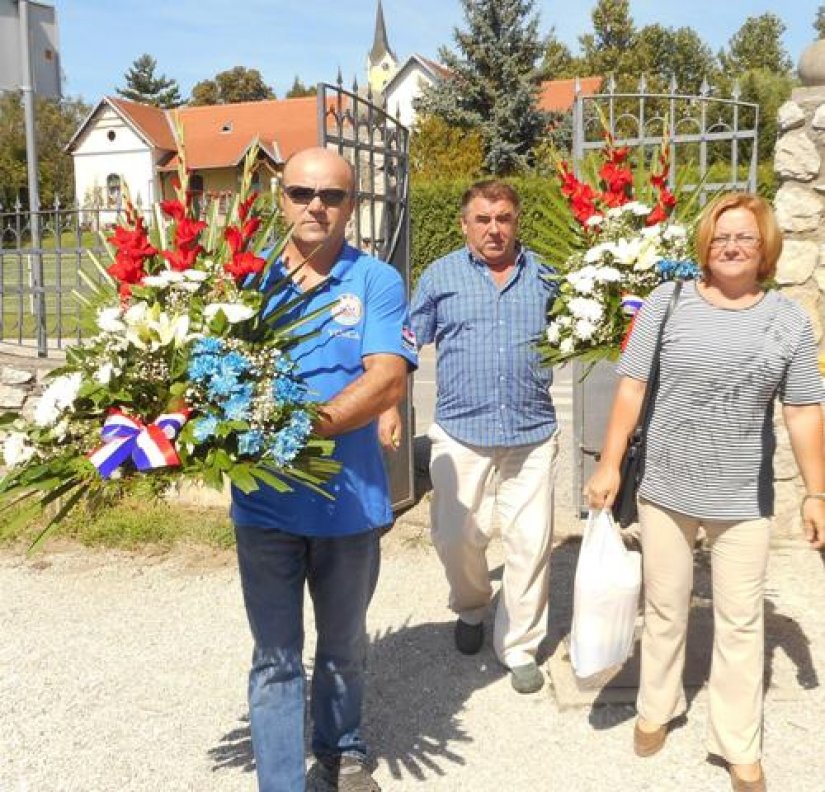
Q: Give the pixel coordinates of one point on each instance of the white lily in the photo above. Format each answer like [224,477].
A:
[234,312]
[109,320]
[59,396]
[16,449]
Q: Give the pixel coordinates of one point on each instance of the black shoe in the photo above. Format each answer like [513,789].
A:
[526,678]
[341,774]
[468,637]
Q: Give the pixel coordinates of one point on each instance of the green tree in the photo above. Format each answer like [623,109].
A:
[611,47]
[819,22]
[143,85]
[439,150]
[494,81]
[665,52]
[238,84]
[56,123]
[299,89]
[557,61]
[757,45]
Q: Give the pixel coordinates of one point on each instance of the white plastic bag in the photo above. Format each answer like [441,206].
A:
[605,597]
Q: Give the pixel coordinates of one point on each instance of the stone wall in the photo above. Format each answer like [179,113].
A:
[22,376]
[800,209]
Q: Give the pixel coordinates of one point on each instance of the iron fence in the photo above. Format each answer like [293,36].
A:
[41,257]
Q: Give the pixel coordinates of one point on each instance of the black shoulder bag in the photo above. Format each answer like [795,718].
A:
[625,509]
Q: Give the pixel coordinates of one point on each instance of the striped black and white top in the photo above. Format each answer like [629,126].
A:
[711,441]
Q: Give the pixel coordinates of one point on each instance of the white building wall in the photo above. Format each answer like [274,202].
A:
[408,86]
[110,146]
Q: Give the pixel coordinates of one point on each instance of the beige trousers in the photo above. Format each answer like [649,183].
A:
[739,556]
[474,490]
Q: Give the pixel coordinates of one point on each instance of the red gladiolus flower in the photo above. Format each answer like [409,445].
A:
[243,264]
[234,238]
[250,227]
[182,258]
[174,209]
[187,231]
[245,206]
[658,215]
[618,181]
[127,268]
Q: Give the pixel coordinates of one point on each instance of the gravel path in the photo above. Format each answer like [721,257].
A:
[127,672]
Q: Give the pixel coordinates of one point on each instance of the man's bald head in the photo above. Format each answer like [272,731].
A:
[318,159]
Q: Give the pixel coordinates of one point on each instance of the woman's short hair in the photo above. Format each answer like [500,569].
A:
[491,190]
[762,211]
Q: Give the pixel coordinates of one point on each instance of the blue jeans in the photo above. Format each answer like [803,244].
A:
[341,573]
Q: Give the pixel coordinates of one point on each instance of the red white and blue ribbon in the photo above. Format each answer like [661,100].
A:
[631,304]
[149,447]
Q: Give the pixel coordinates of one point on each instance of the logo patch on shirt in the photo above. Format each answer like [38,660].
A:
[408,339]
[348,310]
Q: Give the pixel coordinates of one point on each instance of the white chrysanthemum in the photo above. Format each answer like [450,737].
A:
[155,281]
[652,232]
[607,275]
[194,275]
[234,312]
[16,449]
[637,208]
[597,252]
[594,220]
[582,281]
[675,233]
[553,333]
[585,308]
[188,286]
[566,346]
[58,397]
[584,329]
[616,211]
[109,320]
[104,374]
[565,322]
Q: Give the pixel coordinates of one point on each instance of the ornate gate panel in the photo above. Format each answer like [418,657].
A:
[377,145]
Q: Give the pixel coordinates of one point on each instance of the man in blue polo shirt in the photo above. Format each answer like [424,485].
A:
[494,444]
[357,365]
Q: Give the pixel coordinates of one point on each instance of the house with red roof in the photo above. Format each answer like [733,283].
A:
[127,145]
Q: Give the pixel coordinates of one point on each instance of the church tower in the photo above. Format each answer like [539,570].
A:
[381,61]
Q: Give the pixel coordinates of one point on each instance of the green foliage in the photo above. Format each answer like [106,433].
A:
[238,84]
[142,85]
[757,45]
[819,22]
[662,52]
[56,122]
[558,62]
[299,89]
[438,150]
[610,47]
[494,81]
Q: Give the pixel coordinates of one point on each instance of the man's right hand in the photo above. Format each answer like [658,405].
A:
[602,487]
[390,429]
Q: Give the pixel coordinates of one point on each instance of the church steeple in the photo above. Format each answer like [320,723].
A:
[380,45]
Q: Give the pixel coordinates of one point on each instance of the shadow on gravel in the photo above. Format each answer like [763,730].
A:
[234,750]
[418,685]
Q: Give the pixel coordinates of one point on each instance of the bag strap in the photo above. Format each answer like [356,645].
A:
[653,377]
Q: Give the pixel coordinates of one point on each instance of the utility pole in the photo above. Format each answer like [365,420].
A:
[36,257]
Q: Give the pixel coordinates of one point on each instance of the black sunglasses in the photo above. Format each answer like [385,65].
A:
[330,196]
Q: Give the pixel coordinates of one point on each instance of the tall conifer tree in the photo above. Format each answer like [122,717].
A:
[494,82]
[142,85]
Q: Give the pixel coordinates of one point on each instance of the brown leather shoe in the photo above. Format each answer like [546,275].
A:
[648,743]
[740,785]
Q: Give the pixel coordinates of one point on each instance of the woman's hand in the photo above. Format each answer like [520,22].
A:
[602,487]
[813,522]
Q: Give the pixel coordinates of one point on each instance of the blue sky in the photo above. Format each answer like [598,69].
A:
[194,39]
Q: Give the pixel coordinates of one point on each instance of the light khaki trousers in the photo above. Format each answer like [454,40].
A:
[474,490]
[739,556]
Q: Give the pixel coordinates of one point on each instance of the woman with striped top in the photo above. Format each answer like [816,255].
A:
[729,349]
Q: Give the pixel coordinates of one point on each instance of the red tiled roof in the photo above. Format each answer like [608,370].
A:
[218,136]
[558,95]
[150,121]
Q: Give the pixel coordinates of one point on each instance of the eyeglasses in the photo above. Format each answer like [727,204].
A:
[329,196]
[743,241]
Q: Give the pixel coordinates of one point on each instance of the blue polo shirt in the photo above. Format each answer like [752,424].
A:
[369,317]
[492,388]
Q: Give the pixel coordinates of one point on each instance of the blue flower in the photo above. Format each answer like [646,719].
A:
[290,440]
[205,427]
[284,365]
[250,442]
[237,406]
[235,363]
[669,269]
[287,391]
[207,346]
[222,386]
[203,367]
